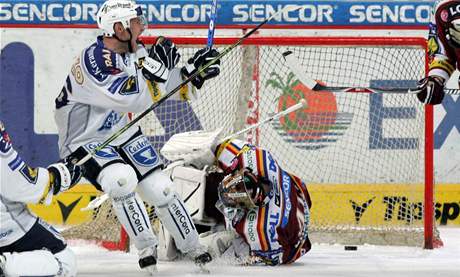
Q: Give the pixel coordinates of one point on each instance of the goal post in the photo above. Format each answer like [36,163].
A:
[366,159]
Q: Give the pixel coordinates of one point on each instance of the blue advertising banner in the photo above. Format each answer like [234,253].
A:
[231,13]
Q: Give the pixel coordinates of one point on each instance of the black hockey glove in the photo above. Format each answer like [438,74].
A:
[163,57]
[431,90]
[202,57]
[65,175]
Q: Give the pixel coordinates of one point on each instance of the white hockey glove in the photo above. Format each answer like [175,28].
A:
[64,175]
[194,64]
[194,148]
[163,57]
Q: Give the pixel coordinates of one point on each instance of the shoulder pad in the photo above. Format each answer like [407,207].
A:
[100,62]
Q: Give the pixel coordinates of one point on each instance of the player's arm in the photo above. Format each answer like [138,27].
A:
[109,80]
[442,40]
[22,183]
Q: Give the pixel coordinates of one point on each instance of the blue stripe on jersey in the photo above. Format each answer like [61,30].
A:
[236,146]
[286,187]
[116,84]
[266,228]
[264,159]
[14,164]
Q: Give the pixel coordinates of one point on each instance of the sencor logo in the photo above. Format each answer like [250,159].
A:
[390,13]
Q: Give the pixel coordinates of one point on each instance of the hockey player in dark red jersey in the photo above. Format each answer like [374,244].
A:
[444,50]
[266,209]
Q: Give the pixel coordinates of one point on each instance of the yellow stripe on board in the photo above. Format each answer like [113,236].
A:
[359,205]
[380,205]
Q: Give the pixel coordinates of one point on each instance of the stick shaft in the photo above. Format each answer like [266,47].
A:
[212,24]
[294,65]
[302,103]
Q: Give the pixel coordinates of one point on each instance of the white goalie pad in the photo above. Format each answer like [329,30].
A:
[193,148]
[190,184]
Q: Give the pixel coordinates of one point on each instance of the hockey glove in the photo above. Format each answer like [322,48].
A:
[202,57]
[431,90]
[64,175]
[162,58]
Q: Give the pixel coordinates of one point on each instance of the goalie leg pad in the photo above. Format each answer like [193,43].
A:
[156,189]
[117,179]
[132,214]
[41,263]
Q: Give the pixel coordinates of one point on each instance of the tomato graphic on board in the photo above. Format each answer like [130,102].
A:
[311,123]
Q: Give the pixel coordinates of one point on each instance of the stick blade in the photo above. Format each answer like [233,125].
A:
[293,64]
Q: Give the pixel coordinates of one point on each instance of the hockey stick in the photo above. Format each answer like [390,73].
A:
[184,82]
[212,24]
[180,143]
[302,103]
[294,65]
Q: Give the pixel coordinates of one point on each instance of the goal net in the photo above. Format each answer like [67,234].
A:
[366,158]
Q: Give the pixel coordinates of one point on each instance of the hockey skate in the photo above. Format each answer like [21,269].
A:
[201,258]
[2,265]
[148,259]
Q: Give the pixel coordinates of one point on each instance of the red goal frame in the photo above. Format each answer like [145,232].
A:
[430,240]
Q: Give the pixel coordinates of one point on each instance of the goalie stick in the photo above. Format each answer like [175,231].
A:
[294,64]
[224,52]
[302,104]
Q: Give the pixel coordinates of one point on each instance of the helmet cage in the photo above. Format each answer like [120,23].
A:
[241,190]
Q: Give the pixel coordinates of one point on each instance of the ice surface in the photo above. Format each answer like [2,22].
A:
[323,260]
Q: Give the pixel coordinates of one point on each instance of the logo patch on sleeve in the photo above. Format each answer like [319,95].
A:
[142,152]
[130,86]
[31,174]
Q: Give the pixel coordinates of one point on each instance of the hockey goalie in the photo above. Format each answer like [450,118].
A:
[257,212]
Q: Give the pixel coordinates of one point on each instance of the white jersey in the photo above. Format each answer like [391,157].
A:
[19,184]
[102,87]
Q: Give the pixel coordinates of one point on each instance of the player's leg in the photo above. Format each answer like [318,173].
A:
[116,180]
[108,171]
[40,252]
[156,189]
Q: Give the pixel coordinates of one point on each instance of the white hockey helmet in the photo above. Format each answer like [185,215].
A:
[113,11]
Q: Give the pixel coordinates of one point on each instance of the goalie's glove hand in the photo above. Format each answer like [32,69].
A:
[194,64]
[163,57]
[431,90]
[64,175]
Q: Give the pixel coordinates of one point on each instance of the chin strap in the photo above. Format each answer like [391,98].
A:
[130,47]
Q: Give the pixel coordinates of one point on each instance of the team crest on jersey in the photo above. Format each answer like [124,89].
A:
[107,152]
[130,86]
[111,120]
[31,174]
[141,152]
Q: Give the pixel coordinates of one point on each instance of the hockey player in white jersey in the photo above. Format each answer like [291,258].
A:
[110,78]
[28,245]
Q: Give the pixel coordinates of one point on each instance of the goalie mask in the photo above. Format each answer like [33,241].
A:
[242,189]
[113,11]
